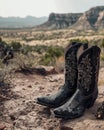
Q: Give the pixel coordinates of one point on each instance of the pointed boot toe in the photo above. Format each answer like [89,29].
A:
[44,101]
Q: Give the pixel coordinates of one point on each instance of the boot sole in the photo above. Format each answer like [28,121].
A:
[73,117]
[76,116]
[68,117]
[88,105]
[43,104]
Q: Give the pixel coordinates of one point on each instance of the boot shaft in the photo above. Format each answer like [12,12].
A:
[71,72]
[88,70]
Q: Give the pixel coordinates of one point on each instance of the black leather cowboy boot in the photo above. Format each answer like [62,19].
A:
[87,91]
[69,88]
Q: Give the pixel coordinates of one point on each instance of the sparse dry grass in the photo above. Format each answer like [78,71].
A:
[62,38]
[55,37]
[101,82]
[101,77]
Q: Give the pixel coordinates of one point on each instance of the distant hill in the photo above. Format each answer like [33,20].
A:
[90,20]
[18,22]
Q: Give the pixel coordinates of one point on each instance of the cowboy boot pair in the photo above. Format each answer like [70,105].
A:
[87,90]
[83,83]
[69,87]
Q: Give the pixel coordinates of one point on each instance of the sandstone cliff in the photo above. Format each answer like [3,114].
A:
[90,20]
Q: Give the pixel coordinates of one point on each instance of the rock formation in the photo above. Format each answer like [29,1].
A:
[90,20]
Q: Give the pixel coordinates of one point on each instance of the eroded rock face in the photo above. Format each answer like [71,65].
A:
[89,20]
[93,14]
[100,21]
[82,23]
[69,18]
[60,21]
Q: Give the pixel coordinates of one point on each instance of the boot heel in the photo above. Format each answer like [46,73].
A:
[90,104]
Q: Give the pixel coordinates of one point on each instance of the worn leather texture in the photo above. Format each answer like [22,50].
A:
[87,90]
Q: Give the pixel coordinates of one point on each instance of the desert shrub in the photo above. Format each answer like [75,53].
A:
[6,52]
[3,43]
[0,39]
[22,62]
[102,57]
[96,42]
[28,39]
[55,51]
[51,54]
[79,40]
[5,74]
[102,43]
[1,64]
[40,48]
[15,45]
[25,49]
[102,60]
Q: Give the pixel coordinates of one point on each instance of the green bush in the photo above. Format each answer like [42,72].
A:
[15,45]
[79,40]
[40,48]
[22,62]
[0,39]
[51,54]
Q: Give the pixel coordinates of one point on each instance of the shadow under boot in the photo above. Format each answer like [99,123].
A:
[87,90]
[69,87]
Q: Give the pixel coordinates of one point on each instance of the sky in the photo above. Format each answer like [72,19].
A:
[40,8]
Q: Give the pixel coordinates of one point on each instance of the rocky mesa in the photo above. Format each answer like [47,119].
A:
[93,19]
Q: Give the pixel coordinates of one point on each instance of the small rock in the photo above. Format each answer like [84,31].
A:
[12,117]
[53,80]
[36,83]
[100,112]
[23,100]
[29,86]
[41,88]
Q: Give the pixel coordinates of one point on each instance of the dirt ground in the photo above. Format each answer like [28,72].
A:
[21,112]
